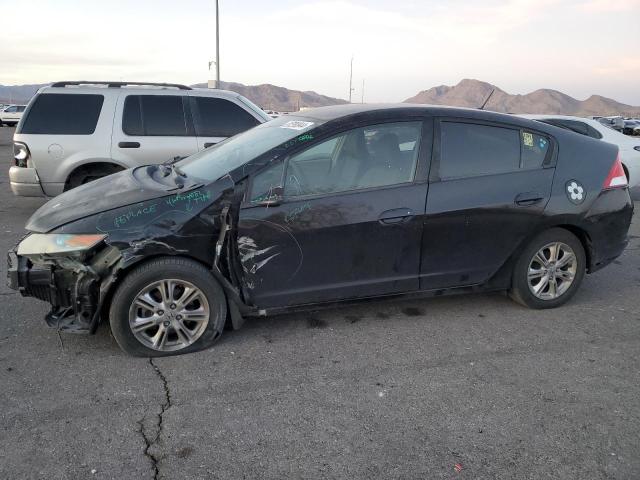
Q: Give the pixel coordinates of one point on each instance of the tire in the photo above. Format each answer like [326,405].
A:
[565,277]
[162,325]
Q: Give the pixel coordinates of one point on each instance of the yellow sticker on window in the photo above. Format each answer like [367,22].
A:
[527,138]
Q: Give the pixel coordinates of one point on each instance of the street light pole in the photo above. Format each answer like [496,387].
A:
[351,80]
[217,46]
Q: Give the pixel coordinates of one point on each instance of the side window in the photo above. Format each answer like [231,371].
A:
[264,183]
[21,108]
[372,156]
[63,114]
[577,127]
[154,115]
[11,109]
[217,117]
[468,150]
[534,150]
[593,133]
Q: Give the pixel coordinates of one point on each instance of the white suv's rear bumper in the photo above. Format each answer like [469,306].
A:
[25,182]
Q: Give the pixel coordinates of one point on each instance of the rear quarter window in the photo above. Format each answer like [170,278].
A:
[535,149]
[63,114]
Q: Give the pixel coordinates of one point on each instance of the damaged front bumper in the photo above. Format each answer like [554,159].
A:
[75,287]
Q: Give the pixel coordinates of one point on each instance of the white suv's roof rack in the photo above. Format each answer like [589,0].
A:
[120,84]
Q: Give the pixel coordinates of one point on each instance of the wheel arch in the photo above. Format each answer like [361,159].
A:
[502,278]
[234,305]
[125,270]
[94,164]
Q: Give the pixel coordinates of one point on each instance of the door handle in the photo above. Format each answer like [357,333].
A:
[395,216]
[209,144]
[528,199]
[129,144]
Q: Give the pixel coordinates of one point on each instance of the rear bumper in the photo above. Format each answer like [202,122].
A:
[24,182]
[609,220]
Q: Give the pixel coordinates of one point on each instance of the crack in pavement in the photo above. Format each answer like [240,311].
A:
[151,434]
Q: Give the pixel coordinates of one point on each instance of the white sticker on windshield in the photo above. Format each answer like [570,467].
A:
[296,125]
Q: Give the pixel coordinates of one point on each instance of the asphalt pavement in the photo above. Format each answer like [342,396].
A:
[466,387]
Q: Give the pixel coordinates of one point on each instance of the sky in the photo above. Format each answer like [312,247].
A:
[399,47]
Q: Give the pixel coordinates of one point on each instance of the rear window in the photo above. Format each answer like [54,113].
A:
[154,115]
[216,117]
[468,150]
[63,114]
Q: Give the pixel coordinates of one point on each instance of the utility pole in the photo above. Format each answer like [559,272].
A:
[362,92]
[351,89]
[217,46]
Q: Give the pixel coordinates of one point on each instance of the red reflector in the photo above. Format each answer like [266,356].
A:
[616,178]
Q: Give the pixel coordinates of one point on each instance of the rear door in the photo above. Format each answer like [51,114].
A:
[218,118]
[350,223]
[489,185]
[152,128]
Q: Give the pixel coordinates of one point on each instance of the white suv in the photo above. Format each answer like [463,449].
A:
[11,114]
[75,132]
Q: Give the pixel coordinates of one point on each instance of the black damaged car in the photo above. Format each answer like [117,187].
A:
[335,204]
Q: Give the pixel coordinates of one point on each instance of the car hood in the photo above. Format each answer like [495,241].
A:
[118,190]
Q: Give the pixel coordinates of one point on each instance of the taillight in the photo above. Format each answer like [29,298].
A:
[20,153]
[616,178]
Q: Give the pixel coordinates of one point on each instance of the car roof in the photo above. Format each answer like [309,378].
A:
[335,112]
[105,89]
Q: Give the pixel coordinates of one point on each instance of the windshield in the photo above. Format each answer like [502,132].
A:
[212,163]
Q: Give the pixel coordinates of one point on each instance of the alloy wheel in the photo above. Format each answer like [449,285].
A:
[552,271]
[169,315]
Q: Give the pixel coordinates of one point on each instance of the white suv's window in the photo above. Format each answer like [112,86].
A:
[154,115]
[217,117]
[63,114]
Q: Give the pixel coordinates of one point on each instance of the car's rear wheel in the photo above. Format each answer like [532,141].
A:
[168,306]
[549,271]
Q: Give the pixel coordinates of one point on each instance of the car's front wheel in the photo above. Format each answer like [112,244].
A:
[167,306]
[549,271]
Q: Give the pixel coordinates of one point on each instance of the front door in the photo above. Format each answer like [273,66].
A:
[349,223]
[489,186]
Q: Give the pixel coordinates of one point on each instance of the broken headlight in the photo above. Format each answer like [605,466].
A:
[58,243]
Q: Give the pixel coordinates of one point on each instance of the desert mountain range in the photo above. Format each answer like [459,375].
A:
[467,93]
[472,93]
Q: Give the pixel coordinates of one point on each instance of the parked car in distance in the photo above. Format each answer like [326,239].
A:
[108,127]
[629,147]
[11,114]
[337,204]
[615,122]
[631,127]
